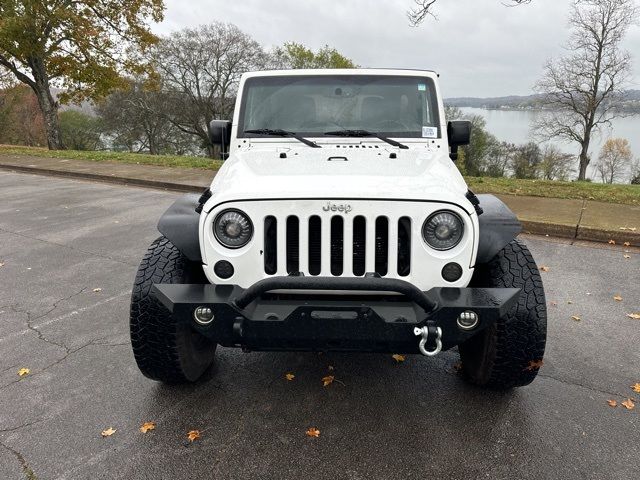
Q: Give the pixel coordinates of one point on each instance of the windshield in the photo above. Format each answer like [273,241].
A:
[394,106]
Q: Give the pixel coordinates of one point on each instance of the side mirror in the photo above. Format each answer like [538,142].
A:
[459,133]
[220,134]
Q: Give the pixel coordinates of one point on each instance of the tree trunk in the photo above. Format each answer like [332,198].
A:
[584,156]
[48,105]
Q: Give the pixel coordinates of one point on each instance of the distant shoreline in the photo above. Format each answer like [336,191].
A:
[627,111]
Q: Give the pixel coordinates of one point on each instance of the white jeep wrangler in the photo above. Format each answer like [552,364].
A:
[339,222]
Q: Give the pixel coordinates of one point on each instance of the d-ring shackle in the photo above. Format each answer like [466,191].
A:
[424,333]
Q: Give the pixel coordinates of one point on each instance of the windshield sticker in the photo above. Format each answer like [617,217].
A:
[429,132]
[422,87]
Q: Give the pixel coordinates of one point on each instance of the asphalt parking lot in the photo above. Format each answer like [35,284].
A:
[70,250]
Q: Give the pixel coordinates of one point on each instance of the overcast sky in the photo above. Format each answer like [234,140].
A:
[480,47]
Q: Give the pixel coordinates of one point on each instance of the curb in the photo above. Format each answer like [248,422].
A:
[573,232]
[576,232]
[139,182]
[551,229]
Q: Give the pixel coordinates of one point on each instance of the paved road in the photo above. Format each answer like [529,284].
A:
[61,239]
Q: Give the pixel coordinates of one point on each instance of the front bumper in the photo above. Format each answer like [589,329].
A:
[340,319]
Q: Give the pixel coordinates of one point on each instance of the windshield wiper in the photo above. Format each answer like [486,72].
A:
[282,133]
[366,133]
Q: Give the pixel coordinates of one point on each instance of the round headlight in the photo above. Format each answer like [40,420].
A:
[443,230]
[233,228]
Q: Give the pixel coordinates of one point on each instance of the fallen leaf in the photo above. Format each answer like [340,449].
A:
[328,380]
[636,387]
[576,318]
[330,368]
[627,244]
[569,302]
[1,264]
[108,432]
[289,376]
[627,256]
[23,371]
[617,298]
[622,228]
[457,366]
[612,403]
[628,404]
[535,365]
[612,242]
[544,268]
[146,426]
[635,316]
[398,358]
[632,229]
[193,435]
[313,432]
[96,290]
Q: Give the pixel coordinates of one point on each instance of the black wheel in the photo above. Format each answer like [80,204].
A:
[165,350]
[509,353]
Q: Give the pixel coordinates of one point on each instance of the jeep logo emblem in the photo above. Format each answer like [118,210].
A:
[334,207]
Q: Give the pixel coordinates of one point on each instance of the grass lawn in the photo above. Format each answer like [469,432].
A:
[625,194]
[122,157]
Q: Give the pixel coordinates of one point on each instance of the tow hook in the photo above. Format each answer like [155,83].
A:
[424,333]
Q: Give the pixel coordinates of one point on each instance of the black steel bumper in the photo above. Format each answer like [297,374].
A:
[339,319]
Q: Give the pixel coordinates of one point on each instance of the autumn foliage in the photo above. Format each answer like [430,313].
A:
[21,118]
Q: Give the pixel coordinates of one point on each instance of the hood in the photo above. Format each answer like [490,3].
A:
[339,172]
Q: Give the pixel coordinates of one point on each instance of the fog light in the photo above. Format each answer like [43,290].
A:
[203,315]
[468,320]
[223,269]
[452,272]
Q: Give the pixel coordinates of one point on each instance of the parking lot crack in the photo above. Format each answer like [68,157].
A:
[75,249]
[581,385]
[32,319]
[24,425]
[26,469]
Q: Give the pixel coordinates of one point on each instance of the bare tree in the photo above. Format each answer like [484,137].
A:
[200,70]
[555,164]
[635,172]
[135,120]
[424,9]
[614,160]
[498,159]
[581,88]
[526,160]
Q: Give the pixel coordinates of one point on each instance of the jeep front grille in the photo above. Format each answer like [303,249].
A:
[341,246]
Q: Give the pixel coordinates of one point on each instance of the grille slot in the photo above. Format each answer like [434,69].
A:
[337,248]
[270,245]
[337,245]
[359,245]
[293,245]
[382,246]
[404,246]
[315,245]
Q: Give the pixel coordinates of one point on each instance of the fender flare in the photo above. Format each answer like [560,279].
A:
[181,225]
[498,226]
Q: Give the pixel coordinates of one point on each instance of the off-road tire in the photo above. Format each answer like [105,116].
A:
[164,349]
[509,353]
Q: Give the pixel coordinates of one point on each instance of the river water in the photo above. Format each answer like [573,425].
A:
[514,126]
